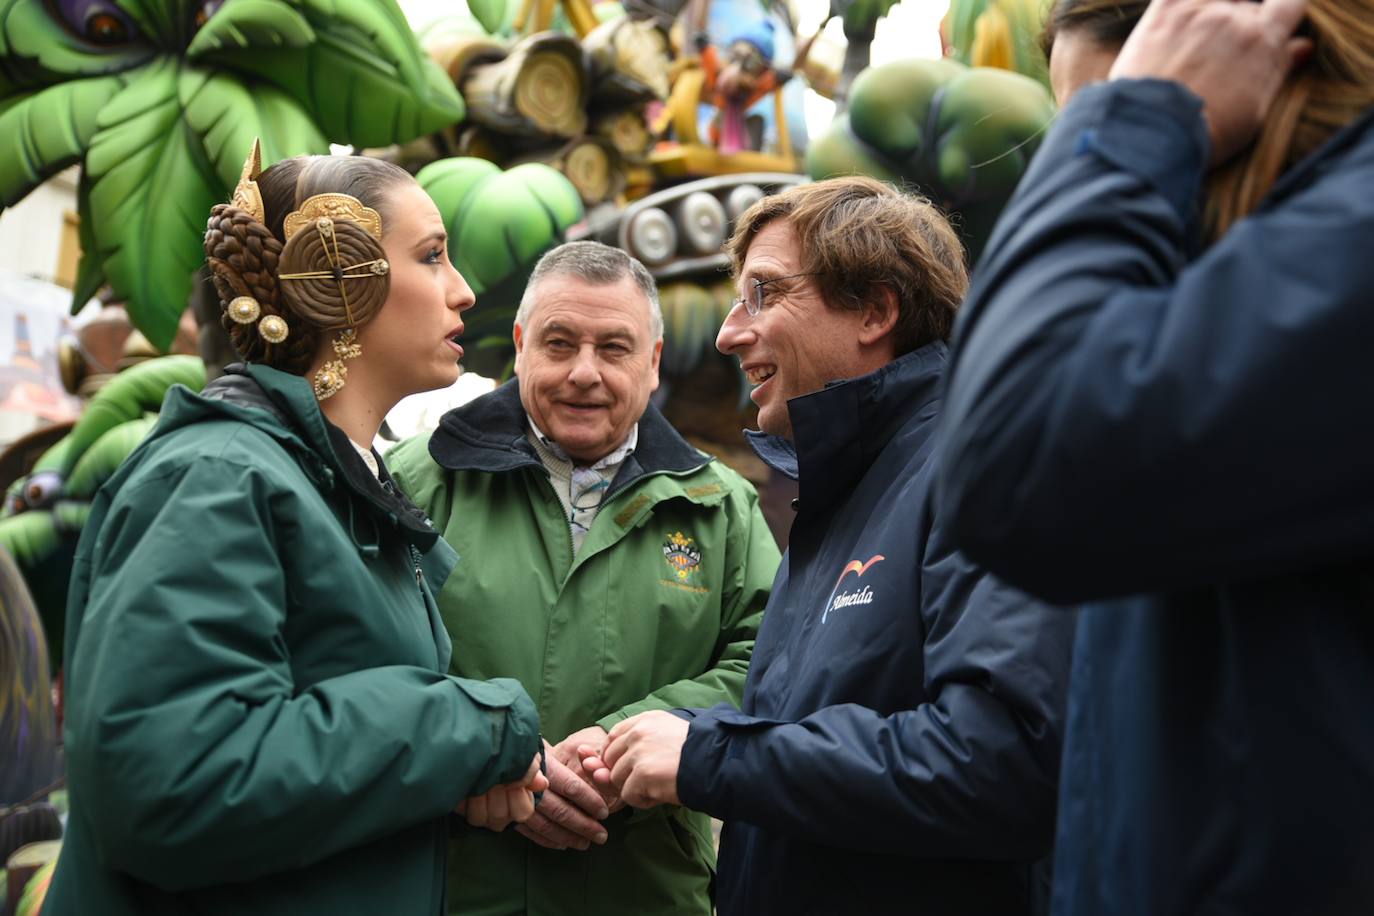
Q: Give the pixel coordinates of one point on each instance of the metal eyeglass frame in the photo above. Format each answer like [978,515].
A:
[754,303]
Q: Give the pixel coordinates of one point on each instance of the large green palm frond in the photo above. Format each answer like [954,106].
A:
[158,100]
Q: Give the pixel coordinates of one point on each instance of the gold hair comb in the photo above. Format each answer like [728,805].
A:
[247,197]
[333,206]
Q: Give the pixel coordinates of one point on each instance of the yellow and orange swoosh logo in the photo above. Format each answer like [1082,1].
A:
[856,567]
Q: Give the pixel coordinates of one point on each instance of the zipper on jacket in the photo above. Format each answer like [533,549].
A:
[419,573]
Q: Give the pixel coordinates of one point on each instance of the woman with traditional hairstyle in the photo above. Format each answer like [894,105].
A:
[1157,407]
[258,715]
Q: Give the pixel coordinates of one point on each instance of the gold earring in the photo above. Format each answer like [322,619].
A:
[273,329]
[333,375]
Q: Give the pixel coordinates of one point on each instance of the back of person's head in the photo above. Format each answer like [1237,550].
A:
[597,265]
[857,235]
[1321,96]
[248,257]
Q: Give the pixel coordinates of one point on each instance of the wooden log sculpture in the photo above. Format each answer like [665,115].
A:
[459,53]
[626,130]
[539,90]
[629,61]
[592,164]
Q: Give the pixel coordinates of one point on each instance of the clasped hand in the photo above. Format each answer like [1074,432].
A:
[570,813]
[511,802]
[640,759]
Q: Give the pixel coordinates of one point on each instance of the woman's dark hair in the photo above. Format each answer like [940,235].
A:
[247,257]
[1321,96]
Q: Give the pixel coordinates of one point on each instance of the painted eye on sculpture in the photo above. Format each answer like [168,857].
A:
[207,9]
[98,21]
[41,490]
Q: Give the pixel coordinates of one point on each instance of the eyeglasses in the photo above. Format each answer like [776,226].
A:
[753,303]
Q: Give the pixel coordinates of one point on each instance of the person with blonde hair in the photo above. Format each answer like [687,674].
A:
[259,718]
[1154,408]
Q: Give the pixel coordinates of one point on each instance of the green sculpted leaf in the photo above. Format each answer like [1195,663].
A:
[381,23]
[28,536]
[450,181]
[364,79]
[167,24]
[253,24]
[889,105]
[227,115]
[165,115]
[962,135]
[499,222]
[127,397]
[150,193]
[105,455]
[490,13]
[46,131]
[90,276]
[839,152]
[36,50]
[860,17]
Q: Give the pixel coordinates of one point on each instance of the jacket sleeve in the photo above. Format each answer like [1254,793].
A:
[751,562]
[199,760]
[971,774]
[1119,418]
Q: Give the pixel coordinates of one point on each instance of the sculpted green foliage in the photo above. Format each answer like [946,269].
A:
[42,537]
[999,33]
[499,223]
[860,17]
[963,136]
[159,101]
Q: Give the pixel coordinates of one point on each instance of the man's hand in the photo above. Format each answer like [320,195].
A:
[509,802]
[569,814]
[593,736]
[1234,55]
[641,759]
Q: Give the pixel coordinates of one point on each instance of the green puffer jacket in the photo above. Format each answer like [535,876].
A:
[658,611]
[258,715]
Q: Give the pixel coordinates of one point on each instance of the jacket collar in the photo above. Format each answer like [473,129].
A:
[1309,169]
[839,430]
[289,400]
[489,434]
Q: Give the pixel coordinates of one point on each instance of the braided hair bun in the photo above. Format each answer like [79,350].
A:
[249,256]
[244,258]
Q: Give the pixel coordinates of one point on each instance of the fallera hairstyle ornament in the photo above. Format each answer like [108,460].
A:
[244,309]
[321,211]
[247,197]
[273,329]
[326,207]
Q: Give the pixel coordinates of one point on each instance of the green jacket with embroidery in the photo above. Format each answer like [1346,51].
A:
[259,715]
[658,610]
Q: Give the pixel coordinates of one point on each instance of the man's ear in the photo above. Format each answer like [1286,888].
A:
[879,315]
[518,336]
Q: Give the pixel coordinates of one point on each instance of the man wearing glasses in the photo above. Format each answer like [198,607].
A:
[898,745]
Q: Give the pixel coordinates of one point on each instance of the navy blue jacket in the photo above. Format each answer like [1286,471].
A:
[899,743]
[1183,439]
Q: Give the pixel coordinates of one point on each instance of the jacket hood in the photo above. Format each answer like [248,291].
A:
[489,434]
[839,430]
[283,406]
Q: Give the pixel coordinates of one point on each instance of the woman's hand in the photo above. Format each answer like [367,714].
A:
[505,804]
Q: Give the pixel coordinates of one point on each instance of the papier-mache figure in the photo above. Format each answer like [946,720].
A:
[744,75]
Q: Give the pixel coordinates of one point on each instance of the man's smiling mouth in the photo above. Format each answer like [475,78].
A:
[757,375]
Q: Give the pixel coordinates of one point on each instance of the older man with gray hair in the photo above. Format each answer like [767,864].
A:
[606,564]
